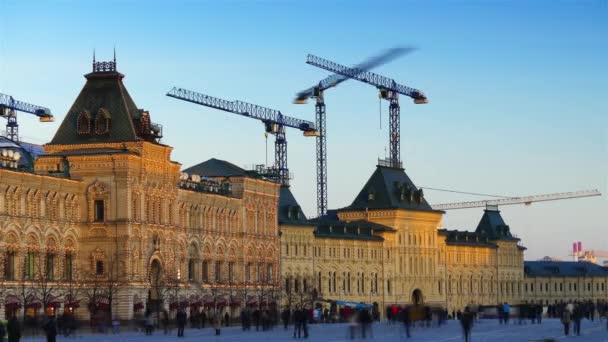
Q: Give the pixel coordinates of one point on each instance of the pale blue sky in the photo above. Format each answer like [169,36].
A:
[517,91]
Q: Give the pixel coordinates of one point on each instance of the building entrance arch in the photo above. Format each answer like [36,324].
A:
[155,279]
[417,298]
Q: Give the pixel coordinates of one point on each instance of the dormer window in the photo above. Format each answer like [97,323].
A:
[371,194]
[83,122]
[102,122]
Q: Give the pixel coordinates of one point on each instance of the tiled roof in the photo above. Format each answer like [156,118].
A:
[216,168]
[465,238]
[28,152]
[493,226]
[329,226]
[563,269]
[389,188]
[103,90]
[290,211]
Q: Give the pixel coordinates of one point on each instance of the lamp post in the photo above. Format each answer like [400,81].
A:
[9,158]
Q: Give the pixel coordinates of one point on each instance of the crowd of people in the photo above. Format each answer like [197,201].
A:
[359,319]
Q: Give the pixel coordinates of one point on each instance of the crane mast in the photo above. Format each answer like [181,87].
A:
[274,122]
[8,109]
[317,92]
[389,90]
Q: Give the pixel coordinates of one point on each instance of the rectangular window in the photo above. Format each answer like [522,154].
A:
[68,266]
[258,275]
[205,271]
[248,273]
[269,273]
[218,271]
[231,272]
[9,266]
[50,266]
[30,265]
[191,275]
[99,267]
[99,211]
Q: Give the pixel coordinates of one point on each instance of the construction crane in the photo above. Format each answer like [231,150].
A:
[527,200]
[317,92]
[389,90]
[274,122]
[8,109]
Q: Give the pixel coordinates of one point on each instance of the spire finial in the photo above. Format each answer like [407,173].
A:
[93,59]
[114,54]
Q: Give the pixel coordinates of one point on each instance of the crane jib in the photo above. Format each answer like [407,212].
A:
[242,108]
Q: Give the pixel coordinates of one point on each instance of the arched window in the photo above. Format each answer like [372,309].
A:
[83,122]
[102,122]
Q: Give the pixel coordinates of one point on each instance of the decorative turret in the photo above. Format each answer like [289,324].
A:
[104,112]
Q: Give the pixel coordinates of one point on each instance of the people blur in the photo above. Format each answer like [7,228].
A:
[577,316]
[217,323]
[50,329]
[566,317]
[466,321]
[407,320]
[181,319]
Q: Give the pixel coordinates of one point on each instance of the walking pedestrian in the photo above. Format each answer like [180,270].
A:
[181,319]
[13,329]
[50,329]
[406,320]
[297,319]
[566,321]
[165,321]
[466,320]
[285,317]
[577,315]
[217,324]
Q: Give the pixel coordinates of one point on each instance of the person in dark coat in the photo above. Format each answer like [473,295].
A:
[577,316]
[406,319]
[13,329]
[50,329]
[466,320]
[285,317]
[566,318]
[256,319]
[203,319]
[181,318]
[2,331]
[227,319]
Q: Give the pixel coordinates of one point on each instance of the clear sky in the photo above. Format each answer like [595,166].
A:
[517,91]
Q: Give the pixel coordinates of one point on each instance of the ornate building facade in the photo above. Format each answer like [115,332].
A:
[107,220]
[388,248]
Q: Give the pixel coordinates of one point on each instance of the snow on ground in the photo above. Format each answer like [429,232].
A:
[484,330]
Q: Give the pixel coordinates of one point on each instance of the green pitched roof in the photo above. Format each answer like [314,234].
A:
[493,226]
[216,168]
[104,90]
[389,188]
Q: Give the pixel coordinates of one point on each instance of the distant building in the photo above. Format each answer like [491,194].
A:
[548,258]
[550,282]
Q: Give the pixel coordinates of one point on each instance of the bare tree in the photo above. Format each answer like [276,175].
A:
[44,284]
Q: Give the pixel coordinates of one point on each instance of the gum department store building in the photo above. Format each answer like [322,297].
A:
[103,218]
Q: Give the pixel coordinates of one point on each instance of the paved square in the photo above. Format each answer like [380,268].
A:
[484,330]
